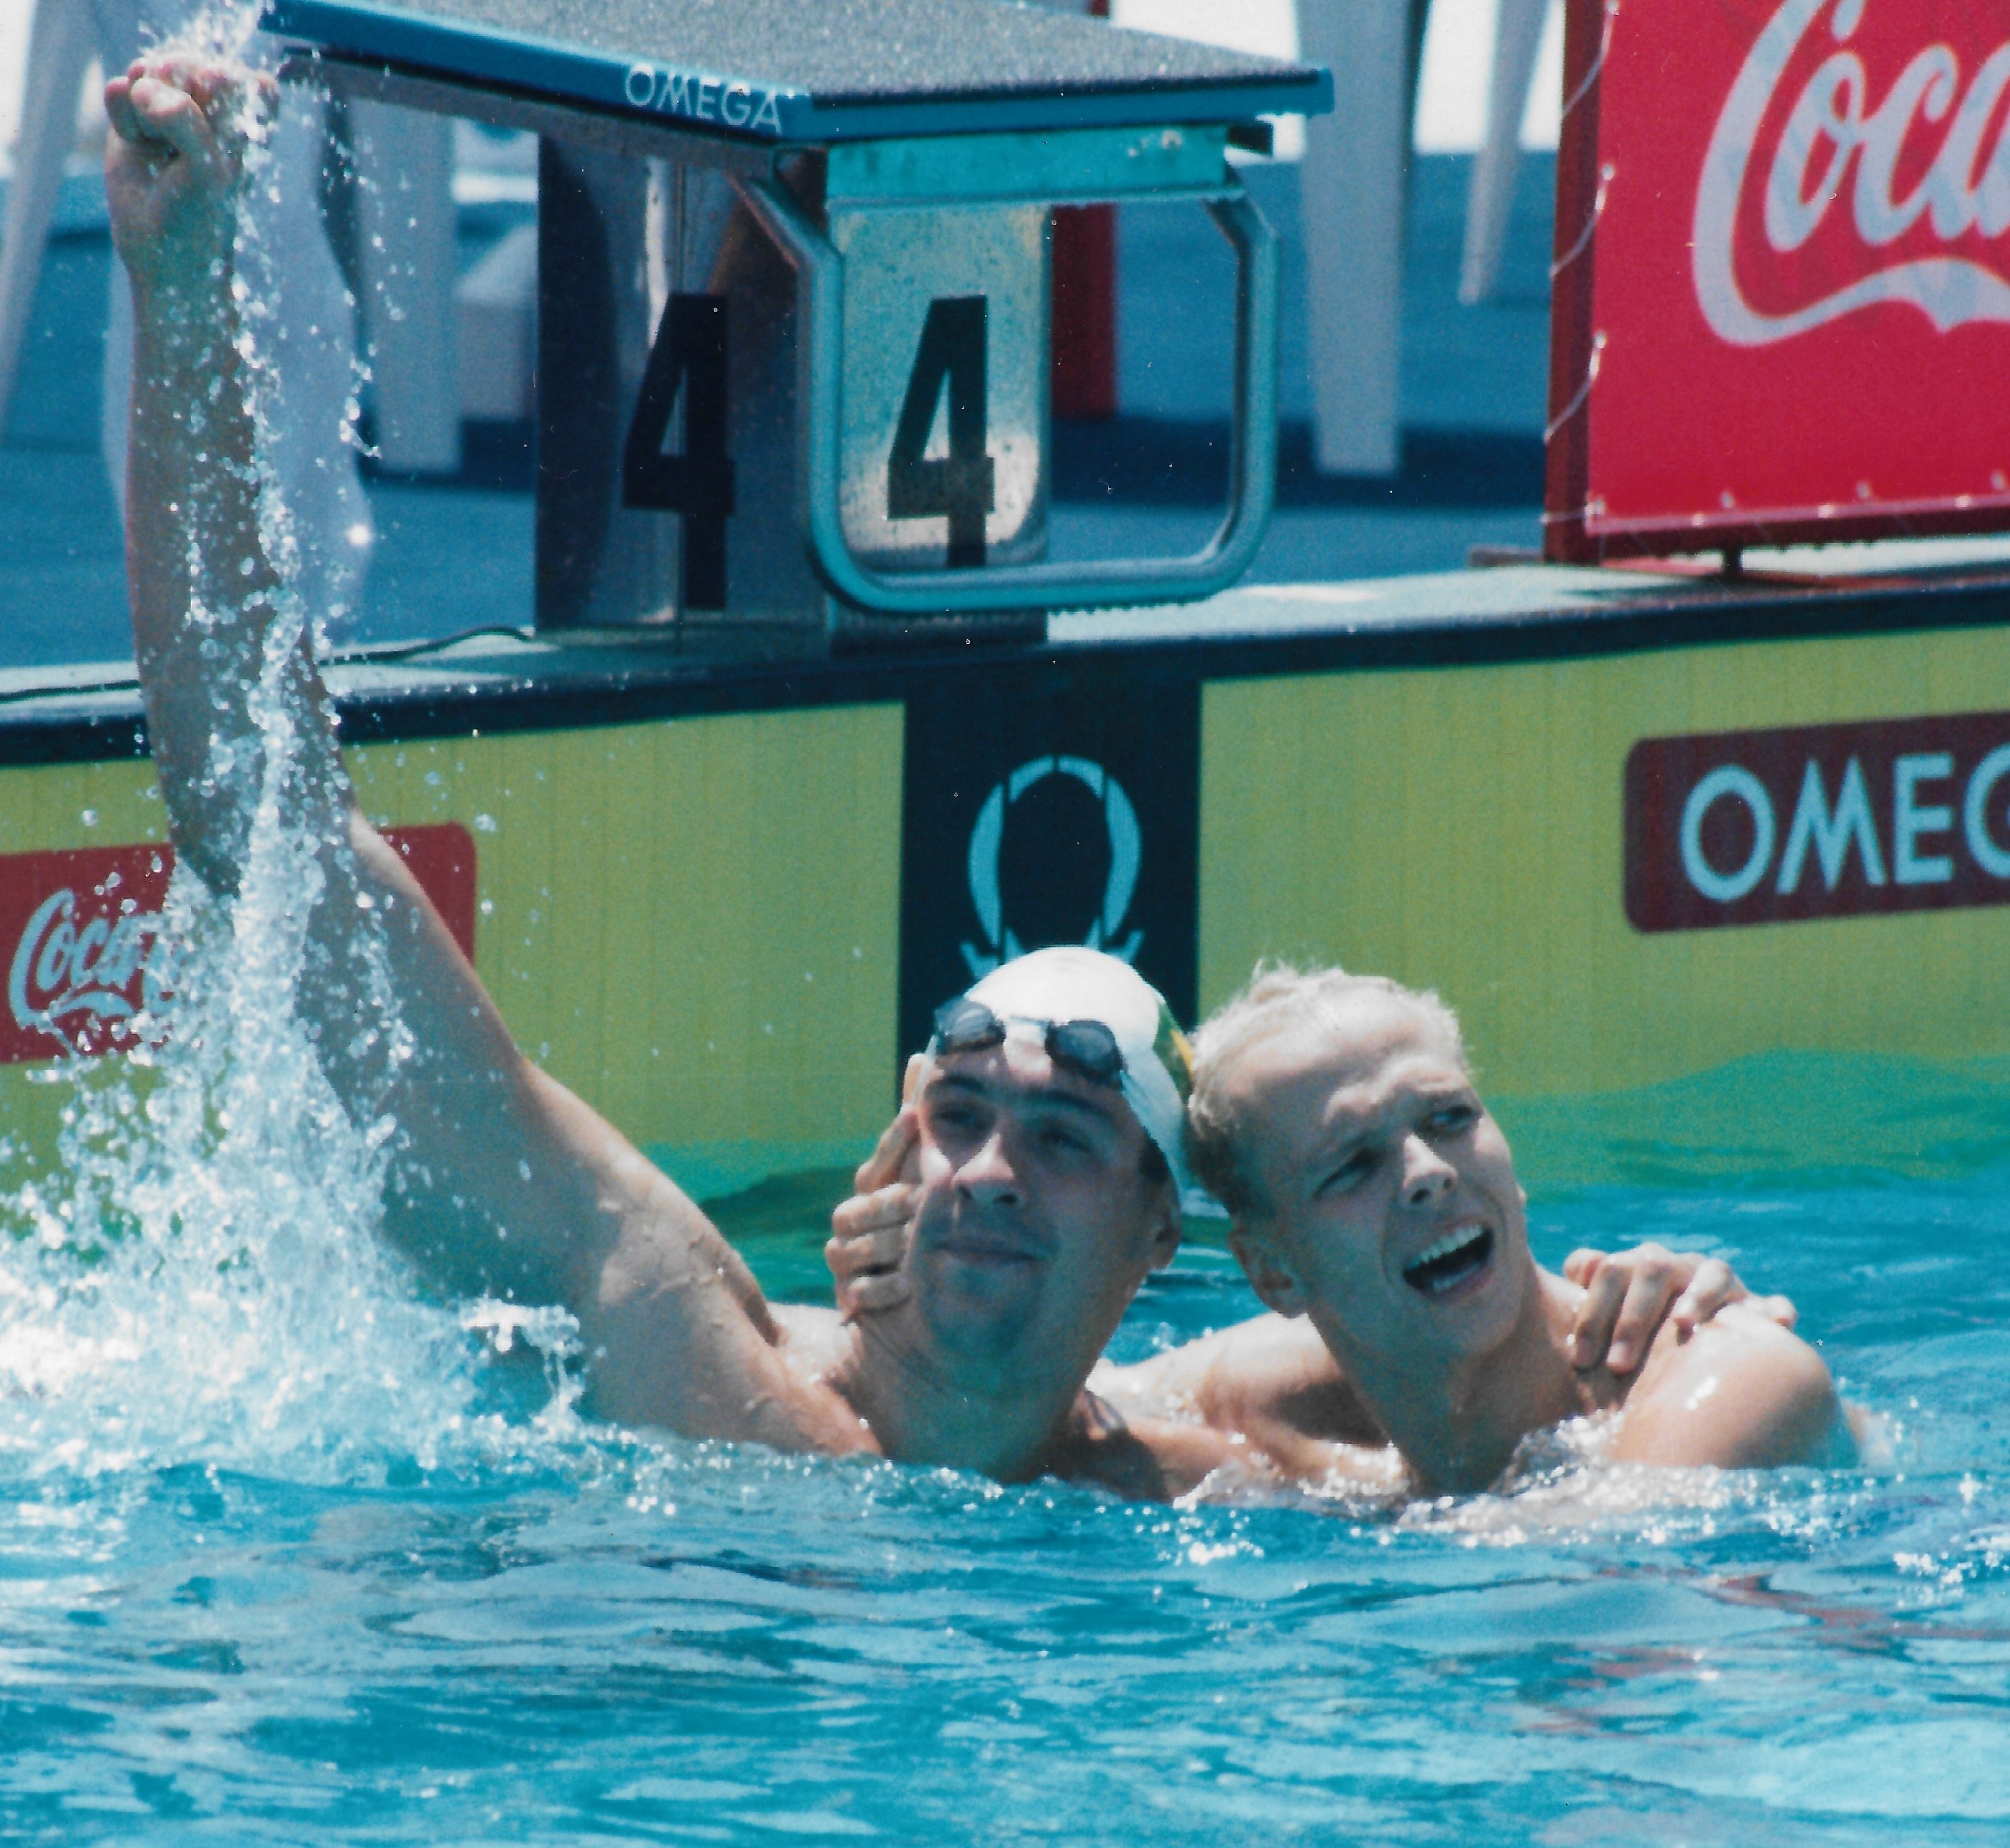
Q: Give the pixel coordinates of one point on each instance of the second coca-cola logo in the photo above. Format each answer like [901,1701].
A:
[68,971]
[1928,157]
[81,948]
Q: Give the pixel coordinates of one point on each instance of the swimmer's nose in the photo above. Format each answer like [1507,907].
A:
[989,1175]
[1427,1175]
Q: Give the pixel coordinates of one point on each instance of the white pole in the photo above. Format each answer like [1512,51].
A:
[1517,43]
[59,48]
[405,214]
[1352,181]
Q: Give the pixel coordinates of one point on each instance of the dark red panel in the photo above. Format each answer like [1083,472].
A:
[1084,313]
[76,927]
[441,857]
[1841,821]
[1783,298]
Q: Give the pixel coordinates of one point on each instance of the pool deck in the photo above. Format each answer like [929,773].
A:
[500,678]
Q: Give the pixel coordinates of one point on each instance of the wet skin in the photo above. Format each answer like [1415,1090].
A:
[1372,1153]
[1034,1224]
[1271,1385]
[1390,1215]
[1036,1219]
[505,1183]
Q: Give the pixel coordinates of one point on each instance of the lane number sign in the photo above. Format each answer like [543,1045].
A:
[689,355]
[943,425]
[952,360]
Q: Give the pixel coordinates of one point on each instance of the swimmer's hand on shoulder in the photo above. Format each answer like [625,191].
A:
[1740,1393]
[1629,1295]
[174,162]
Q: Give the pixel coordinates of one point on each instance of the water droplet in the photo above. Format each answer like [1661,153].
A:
[484,824]
[90,817]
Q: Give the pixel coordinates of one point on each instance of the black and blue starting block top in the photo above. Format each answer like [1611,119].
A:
[814,71]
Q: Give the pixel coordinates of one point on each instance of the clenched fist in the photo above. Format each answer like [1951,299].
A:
[174,164]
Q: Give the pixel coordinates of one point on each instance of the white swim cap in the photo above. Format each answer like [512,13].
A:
[1071,983]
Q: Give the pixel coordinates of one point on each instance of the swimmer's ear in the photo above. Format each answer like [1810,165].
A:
[1268,1276]
[1167,1235]
[911,1083]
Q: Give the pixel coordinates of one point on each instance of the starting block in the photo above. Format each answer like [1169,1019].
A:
[794,335]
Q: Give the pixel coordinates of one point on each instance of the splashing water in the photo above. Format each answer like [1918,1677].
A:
[278,1563]
[201,1280]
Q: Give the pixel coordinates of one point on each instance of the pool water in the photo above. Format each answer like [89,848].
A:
[289,1554]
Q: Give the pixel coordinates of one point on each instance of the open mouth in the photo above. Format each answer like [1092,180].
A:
[1442,1267]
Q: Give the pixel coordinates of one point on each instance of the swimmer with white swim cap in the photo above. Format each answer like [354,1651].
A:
[1042,1129]
[1374,1206]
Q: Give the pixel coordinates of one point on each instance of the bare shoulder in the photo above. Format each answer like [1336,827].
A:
[1174,1379]
[1741,1392]
[1270,1378]
[1148,1458]
[1280,1384]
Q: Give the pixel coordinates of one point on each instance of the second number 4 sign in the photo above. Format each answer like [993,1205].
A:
[952,359]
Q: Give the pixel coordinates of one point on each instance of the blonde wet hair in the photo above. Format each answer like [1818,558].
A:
[1277,998]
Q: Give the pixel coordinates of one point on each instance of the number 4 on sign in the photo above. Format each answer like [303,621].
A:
[689,352]
[953,356]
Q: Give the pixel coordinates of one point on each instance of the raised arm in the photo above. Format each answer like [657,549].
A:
[500,1180]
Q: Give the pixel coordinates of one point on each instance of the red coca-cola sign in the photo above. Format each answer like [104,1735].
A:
[1834,820]
[1782,307]
[78,932]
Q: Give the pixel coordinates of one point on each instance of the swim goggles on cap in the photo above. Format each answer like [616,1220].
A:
[1087,1049]
[1116,1031]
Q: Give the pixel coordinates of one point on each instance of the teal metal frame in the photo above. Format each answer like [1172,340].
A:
[1097,584]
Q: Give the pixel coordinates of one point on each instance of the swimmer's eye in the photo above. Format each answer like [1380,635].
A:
[1347,1174]
[1055,1136]
[1455,1120]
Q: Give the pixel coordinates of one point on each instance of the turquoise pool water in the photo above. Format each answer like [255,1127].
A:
[283,1558]
[289,1555]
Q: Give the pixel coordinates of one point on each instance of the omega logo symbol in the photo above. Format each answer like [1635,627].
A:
[987,840]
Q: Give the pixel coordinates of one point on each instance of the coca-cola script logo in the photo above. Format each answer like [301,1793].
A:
[81,932]
[83,967]
[1853,166]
